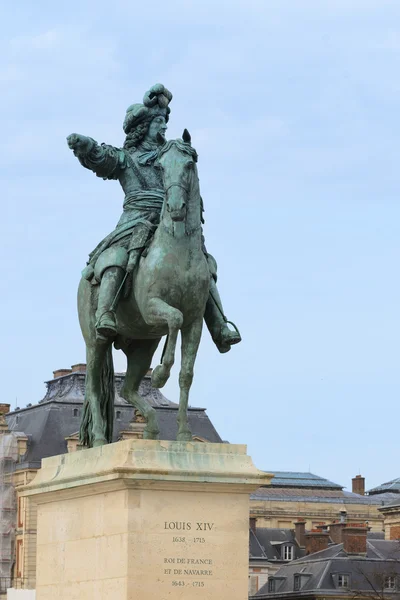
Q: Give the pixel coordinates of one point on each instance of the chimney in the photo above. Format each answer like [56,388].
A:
[316,541]
[358,485]
[61,372]
[335,531]
[253,524]
[300,532]
[4,409]
[355,540]
[79,368]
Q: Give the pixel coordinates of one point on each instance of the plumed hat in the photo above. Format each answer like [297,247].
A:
[155,102]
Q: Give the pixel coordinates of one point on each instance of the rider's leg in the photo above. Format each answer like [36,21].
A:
[216,321]
[110,269]
[137,242]
[105,317]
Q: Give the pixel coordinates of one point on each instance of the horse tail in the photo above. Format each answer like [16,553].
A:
[106,404]
[108,394]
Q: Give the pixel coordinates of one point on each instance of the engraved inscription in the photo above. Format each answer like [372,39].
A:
[187,526]
[187,569]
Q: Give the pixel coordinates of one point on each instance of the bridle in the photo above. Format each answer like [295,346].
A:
[177,185]
[187,190]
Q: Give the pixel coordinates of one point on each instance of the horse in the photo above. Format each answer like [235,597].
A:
[168,295]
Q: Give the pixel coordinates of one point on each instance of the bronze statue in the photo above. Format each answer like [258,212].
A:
[151,276]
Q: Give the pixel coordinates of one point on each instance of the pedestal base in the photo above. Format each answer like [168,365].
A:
[144,519]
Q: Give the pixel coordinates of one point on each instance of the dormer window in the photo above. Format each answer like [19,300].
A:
[271,585]
[300,580]
[343,580]
[390,582]
[287,552]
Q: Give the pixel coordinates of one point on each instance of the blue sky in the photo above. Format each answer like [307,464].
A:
[293,107]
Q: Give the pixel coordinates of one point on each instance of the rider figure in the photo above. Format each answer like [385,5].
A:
[135,167]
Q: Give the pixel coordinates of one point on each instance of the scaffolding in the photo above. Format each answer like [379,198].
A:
[8,507]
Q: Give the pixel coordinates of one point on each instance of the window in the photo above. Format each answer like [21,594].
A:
[297,583]
[20,513]
[390,582]
[118,415]
[343,581]
[20,556]
[288,553]
[271,585]
[76,412]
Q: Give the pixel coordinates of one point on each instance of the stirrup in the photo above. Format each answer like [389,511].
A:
[106,325]
[224,345]
[233,325]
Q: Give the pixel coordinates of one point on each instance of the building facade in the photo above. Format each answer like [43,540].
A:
[315,500]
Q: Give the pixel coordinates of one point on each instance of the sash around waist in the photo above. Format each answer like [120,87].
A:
[144,199]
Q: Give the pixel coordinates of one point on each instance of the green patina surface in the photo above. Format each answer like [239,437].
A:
[152,275]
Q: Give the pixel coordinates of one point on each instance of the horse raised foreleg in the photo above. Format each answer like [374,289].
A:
[139,355]
[190,343]
[159,312]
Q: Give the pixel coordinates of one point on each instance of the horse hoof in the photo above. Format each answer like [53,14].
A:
[150,434]
[184,436]
[159,376]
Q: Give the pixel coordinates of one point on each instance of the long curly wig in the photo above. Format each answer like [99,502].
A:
[137,134]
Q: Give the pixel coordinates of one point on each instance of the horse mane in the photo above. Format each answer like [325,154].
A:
[181,145]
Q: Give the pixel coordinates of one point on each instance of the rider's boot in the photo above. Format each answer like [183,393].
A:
[111,280]
[222,336]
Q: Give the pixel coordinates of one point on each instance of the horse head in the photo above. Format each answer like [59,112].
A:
[178,160]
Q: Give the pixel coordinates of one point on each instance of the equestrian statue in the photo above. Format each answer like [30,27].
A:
[152,275]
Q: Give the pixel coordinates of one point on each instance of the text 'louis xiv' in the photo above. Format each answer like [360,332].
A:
[188,526]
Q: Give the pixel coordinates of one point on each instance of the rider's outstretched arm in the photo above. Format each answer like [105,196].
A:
[104,160]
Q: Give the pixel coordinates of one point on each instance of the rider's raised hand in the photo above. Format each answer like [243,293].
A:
[80,144]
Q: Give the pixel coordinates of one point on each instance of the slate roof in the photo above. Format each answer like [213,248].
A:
[71,389]
[266,543]
[389,486]
[296,480]
[319,495]
[395,503]
[57,416]
[291,486]
[319,571]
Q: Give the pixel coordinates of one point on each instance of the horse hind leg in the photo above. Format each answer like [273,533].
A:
[159,312]
[139,355]
[190,343]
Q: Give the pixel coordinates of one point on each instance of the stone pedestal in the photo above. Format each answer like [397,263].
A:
[144,519]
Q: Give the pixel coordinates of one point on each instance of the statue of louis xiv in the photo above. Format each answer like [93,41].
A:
[135,167]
